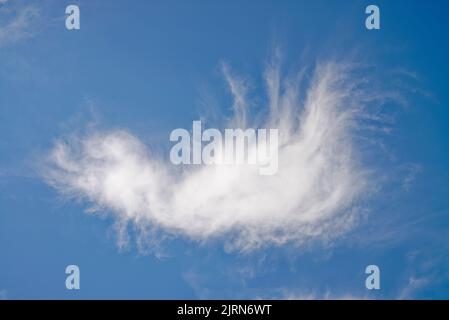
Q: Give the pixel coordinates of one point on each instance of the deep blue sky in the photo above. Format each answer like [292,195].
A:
[142,65]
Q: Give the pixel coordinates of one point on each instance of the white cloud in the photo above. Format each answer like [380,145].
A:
[17,23]
[313,196]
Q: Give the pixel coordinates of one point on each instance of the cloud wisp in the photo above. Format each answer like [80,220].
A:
[18,23]
[314,195]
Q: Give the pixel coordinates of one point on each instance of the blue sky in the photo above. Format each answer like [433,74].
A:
[148,67]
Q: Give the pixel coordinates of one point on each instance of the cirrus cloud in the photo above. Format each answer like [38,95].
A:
[315,194]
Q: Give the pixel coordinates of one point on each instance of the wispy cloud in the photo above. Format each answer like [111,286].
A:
[314,195]
[17,22]
[327,295]
[412,286]
[413,170]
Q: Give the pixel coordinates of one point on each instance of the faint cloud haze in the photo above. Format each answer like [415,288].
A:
[315,195]
[3,293]
[412,286]
[17,23]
